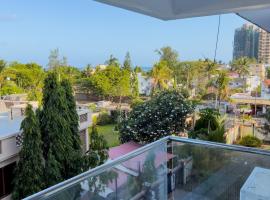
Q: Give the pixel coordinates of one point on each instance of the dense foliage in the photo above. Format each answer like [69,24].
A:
[58,128]
[250,141]
[163,115]
[98,152]
[210,126]
[29,172]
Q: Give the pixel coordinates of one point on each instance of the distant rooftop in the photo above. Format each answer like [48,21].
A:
[9,126]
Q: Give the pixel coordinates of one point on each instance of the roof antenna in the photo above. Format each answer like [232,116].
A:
[219,18]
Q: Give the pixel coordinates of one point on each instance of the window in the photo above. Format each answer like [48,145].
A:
[6,179]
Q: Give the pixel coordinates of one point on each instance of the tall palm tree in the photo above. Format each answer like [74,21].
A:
[222,82]
[210,67]
[161,75]
[241,66]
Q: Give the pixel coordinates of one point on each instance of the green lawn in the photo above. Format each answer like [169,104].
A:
[111,136]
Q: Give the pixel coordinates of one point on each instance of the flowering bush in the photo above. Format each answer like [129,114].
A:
[163,115]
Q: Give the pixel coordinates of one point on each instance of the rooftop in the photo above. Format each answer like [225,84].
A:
[9,127]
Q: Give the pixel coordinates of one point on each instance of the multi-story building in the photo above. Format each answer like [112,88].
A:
[257,69]
[246,41]
[11,141]
[253,42]
[264,47]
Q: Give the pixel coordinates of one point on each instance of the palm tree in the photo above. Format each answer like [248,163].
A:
[161,75]
[222,82]
[210,67]
[241,66]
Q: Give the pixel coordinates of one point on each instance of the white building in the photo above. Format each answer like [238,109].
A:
[248,84]
[11,141]
[145,84]
[253,82]
[265,92]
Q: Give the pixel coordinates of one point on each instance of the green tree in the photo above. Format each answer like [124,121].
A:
[55,60]
[138,69]
[72,118]
[70,73]
[210,126]
[2,65]
[161,74]
[55,127]
[29,171]
[71,113]
[171,56]
[222,85]
[208,120]
[26,78]
[88,71]
[108,83]
[210,67]
[134,85]
[241,66]
[52,171]
[127,65]
[268,73]
[112,61]
[163,115]
[98,152]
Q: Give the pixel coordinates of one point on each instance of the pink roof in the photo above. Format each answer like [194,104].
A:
[123,149]
[135,164]
[233,75]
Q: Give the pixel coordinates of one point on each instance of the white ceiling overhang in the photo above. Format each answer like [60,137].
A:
[256,11]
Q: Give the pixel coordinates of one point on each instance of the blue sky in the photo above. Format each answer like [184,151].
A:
[88,32]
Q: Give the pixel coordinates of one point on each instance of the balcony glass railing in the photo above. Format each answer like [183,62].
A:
[173,168]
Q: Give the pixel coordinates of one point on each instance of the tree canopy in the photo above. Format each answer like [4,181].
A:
[163,115]
[29,171]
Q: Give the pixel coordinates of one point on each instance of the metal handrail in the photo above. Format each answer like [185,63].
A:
[95,171]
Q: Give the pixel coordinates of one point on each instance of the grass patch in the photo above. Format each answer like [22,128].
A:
[110,135]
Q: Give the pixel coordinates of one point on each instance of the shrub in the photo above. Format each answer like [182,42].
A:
[115,114]
[94,119]
[136,102]
[93,107]
[250,141]
[104,118]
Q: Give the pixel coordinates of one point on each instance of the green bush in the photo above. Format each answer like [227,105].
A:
[104,118]
[115,114]
[250,141]
[93,107]
[94,119]
[136,102]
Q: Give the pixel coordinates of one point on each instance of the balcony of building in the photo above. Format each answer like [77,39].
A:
[173,168]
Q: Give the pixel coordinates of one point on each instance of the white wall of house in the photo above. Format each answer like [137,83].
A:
[8,150]
[253,82]
[265,92]
[145,84]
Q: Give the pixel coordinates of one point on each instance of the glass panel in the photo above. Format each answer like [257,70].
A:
[208,172]
[141,177]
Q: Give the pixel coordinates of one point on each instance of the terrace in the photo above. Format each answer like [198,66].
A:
[173,168]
